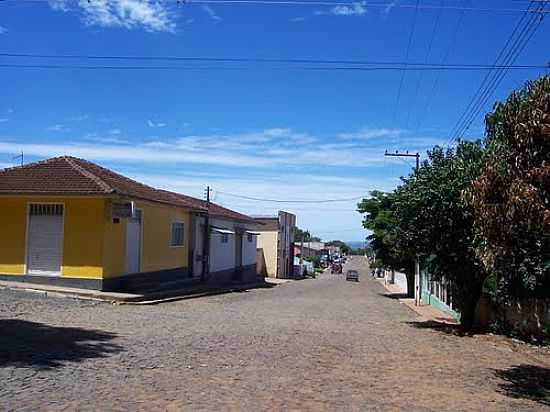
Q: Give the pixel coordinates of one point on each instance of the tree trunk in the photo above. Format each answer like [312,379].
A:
[410,284]
[467,316]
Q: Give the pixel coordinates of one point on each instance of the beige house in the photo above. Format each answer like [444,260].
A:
[275,253]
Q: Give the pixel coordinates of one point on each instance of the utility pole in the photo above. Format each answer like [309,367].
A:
[417,278]
[206,239]
[19,157]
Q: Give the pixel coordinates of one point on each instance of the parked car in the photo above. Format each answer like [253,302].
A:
[352,275]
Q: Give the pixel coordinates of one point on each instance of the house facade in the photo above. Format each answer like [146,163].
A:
[275,257]
[232,249]
[70,222]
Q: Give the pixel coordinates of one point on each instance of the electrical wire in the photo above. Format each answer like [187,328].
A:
[489,85]
[243,68]
[434,91]
[294,3]
[257,60]
[257,199]
[500,76]
[428,52]
[409,44]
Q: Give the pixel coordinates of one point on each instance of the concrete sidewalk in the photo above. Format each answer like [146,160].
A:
[425,312]
[160,296]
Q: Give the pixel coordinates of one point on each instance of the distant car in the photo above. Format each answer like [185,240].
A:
[352,275]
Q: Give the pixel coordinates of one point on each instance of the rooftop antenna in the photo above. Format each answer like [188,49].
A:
[21,156]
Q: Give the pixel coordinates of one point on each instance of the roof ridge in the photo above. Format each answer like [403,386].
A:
[86,173]
[32,164]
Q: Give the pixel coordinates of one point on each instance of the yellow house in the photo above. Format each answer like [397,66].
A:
[70,222]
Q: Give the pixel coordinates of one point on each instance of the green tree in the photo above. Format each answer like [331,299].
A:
[433,221]
[304,235]
[379,218]
[511,197]
[342,245]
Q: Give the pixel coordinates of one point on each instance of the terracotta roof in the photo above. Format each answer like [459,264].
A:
[68,175]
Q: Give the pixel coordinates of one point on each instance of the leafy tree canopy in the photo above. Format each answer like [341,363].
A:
[511,197]
[433,221]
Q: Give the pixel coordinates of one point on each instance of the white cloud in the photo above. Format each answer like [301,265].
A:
[130,14]
[272,148]
[154,125]
[355,9]
[330,217]
[389,7]
[368,133]
[58,128]
[80,118]
[296,19]
[59,5]
[3,120]
[115,131]
[3,30]
[211,12]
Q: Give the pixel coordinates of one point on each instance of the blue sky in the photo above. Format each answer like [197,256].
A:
[250,129]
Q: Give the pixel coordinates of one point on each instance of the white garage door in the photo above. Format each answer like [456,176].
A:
[45,239]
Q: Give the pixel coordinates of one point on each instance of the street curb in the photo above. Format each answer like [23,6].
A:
[145,299]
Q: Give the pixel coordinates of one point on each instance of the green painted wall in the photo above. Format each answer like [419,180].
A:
[432,300]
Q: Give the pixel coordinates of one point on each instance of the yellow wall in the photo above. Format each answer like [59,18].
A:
[267,241]
[93,246]
[13,223]
[82,235]
[83,238]
[156,232]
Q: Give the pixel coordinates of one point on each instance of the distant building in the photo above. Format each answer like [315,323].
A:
[309,249]
[275,257]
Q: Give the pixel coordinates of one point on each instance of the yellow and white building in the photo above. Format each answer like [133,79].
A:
[70,222]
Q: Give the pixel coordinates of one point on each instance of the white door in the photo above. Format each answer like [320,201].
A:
[45,239]
[133,244]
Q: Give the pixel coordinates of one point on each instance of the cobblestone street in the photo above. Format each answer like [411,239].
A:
[316,344]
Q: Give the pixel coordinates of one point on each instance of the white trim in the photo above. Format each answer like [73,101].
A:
[170,240]
[26,264]
[222,230]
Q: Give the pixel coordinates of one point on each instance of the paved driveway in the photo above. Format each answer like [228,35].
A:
[318,344]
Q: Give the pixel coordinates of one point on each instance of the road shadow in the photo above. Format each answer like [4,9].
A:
[526,382]
[439,325]
[41,346]
[395,296]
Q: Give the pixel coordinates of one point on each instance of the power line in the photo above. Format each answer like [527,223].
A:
[434,90]
[487,78]
[258,60]
[502,73]
[257,199]
[243,68]
[298,3]
[493,79]
[402,80]
[428,52]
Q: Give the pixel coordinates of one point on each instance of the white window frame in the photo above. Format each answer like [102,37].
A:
[177,222]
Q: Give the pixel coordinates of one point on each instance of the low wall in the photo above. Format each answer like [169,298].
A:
[526,316]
